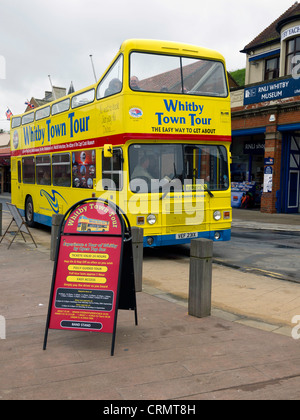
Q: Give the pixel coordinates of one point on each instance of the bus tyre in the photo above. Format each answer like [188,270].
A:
[29,212]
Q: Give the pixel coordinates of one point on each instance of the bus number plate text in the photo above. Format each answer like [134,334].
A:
[188,235]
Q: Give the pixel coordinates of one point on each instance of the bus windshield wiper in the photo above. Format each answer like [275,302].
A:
[208,190]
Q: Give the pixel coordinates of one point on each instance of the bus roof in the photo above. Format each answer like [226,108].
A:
[170,47]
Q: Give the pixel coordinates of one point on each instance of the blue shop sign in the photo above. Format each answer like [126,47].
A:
[272,91]
[268,170]
[254,148]
[269,161]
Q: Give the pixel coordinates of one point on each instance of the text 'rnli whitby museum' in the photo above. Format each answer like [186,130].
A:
[266,119]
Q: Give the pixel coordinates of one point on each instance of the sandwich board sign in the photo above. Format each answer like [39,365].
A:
[93,273]
[21,224]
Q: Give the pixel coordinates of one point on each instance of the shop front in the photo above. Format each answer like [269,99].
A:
[5,170]
[247,168]
[266,117]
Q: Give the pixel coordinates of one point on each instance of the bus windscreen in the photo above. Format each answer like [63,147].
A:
[173,74]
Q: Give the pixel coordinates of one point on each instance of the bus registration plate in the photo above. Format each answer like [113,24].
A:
[188,235]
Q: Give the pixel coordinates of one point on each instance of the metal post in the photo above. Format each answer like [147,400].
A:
[91,57]
[137,252]
[56,220]
[199,304]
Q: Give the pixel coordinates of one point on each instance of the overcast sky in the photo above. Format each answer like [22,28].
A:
[56,37]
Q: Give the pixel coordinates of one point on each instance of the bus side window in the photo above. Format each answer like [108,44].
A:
[43,170]
[84,168]
[113,80]
[28,170]
[112,171]
[61,169]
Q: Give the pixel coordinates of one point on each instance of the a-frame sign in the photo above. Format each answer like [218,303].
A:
[93,273]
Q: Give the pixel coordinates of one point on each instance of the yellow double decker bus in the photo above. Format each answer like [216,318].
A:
[86,224]
[153,136]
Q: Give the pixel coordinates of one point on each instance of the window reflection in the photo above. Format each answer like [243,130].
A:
[184,166]
[163,73]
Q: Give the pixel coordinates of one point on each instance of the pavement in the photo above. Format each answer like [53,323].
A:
[248,349]
[254,219]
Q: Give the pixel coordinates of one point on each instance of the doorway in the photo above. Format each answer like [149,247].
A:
[291,174]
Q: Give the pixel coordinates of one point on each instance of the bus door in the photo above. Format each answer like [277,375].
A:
[197,171]
[111,182]
[16,181]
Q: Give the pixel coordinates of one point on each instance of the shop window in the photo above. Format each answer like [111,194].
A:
[292,49]
[272,68]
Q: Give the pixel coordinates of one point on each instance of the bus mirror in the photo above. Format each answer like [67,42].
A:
[108,150]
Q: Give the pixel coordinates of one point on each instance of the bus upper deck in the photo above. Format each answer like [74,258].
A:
[150,88]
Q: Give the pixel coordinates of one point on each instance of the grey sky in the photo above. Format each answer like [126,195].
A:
[40,38]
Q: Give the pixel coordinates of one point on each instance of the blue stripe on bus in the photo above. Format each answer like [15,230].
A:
[159,240]
[39,218]
[44,220]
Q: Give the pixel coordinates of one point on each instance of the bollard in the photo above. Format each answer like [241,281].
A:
[56,220]
[137,251]
[199,304]
[0,219]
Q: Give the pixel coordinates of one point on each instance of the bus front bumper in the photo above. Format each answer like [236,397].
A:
[180,239]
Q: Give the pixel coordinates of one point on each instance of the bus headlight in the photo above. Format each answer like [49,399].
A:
[217,215]
[151,219]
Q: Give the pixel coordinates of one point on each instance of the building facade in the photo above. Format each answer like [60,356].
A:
[5,168]
[266,119]
[56,93]
[4,163]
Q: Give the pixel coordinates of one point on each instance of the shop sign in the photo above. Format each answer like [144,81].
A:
[254,148]
[288,33]
[269,161]
[272,91]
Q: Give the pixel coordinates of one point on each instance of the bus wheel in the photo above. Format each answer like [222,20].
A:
[29,213]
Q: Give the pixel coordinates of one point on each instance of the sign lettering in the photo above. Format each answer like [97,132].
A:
[53,131]
[271,91]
